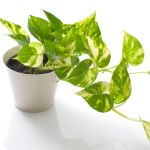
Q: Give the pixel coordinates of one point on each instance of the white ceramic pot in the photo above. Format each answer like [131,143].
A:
[32,92]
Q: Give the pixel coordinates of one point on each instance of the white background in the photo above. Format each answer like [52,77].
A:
[114,17]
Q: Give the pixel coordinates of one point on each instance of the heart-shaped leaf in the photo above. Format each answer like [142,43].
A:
[120,85]
[31,54]
[82,75]
[97,96]
[97,49]
[39,28]
[133,51]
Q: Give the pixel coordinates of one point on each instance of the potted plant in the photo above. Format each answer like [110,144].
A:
[33,65]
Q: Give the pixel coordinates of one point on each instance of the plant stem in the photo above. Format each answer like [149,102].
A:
[126,117]
[107,70]
[139,72]
[47,68]
[120,105]
[112,67]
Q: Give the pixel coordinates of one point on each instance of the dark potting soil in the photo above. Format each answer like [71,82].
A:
[17,66]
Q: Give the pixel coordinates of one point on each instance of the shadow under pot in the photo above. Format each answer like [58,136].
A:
[32,92]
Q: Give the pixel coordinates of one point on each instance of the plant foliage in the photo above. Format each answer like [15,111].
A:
[64,44]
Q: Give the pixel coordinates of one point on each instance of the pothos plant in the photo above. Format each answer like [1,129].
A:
[64,44]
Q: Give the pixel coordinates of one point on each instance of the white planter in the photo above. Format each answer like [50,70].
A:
[32,92]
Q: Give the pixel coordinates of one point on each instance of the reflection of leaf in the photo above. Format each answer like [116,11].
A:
[133,51]
[120,85]
[31,55]
[146,126]
[97,96]
[18,33]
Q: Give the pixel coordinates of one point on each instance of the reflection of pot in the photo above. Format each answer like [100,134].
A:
[40,131]
[32,92]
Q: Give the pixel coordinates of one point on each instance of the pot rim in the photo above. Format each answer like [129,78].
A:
[14,50]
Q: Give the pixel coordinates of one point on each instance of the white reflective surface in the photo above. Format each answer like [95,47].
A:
[72,125]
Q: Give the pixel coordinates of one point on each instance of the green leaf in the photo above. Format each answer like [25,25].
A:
[88,26]
[66,45]
[82,75]
[133,51]
[146,126]
[74,60]
[97,96]
[104,57]
[81,46]
[67,27]
[31,55]
[60,54]
[21,39]
[97,49]
[18,33]
[50,49]
[39,28]
[63,72]
[56,23]
[71,44]
[120,85]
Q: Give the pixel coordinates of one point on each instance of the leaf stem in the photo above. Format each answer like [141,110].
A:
[112,67]
[105,70]
[124,116]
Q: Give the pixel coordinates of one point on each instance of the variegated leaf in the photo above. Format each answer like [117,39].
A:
[133,51]
[97,96]
[31,55]
[120,85]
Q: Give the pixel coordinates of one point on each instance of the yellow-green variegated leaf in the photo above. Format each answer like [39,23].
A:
[81,46]
[18,33]
[63,72]
[31,55]
[120,85]
[82,75]
[146,126]
[55,22]
[104,57]
[133,51]
[39,28]
[20,38]
[97,96]
[97,49]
